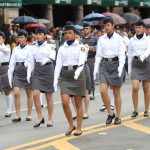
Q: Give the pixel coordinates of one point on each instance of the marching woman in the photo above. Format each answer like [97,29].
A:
[87,77]
[17,74]
[42,58]
[69,66]
[139,66]
[110,55]
[4,62]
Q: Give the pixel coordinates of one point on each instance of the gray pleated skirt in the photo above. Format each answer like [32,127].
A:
[109,73]
[20,78]
[71,86]
[43,78]
[4,77]
[87,77]
[141,70]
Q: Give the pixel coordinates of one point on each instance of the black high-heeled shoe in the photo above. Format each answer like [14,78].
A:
[69,132]
[38,124]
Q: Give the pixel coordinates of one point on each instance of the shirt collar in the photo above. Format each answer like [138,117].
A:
[114,35]
[75,43]
[144,36]
[44,43]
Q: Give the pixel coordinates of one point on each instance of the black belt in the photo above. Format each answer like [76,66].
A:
[40,63]
[19,63]
[112,59]
[71,67]
[136,57]
[4,64]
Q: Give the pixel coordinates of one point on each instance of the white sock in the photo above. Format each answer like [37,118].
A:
[41,99]
[111,95]
[8,103]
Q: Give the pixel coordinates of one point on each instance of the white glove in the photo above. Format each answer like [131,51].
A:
[45,60]
[77,72]
[10,80]
[25,64]
[142,57]
[120,68]
[28,78]
[55,87]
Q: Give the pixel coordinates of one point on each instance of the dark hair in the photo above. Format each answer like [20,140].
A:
[108,20]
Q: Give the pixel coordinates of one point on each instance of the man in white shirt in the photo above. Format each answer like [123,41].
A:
[110,55]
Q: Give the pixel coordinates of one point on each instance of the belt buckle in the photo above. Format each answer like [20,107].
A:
[70,67]
[110,59]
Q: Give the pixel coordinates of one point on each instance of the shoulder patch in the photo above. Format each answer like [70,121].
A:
[83,49]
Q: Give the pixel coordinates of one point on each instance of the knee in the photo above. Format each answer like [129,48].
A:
[135,88]
[16,94]
[35,95]
[65,104]
[103,91]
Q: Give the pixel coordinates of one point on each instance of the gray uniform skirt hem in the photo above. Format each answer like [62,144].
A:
[140,70]
[109,73]
[20,78]
[71,86]
[4,78]
[43,78]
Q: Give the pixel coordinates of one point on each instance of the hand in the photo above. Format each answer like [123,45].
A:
[28,78]
[45,60]
[142,57]
[77,72]
[10,80]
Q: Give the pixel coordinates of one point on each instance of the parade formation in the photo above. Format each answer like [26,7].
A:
[83,58]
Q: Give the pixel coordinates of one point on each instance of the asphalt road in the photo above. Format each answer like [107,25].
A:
[132,134]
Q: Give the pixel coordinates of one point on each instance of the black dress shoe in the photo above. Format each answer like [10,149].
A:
[78,133]
[85,116]
[103,108]
[92,97]
[16,120]
[8,115]
[28,119]
[50,124]
[117,121]
[146,114]
[134,114]
[38,124]
[69,132]
[110,118]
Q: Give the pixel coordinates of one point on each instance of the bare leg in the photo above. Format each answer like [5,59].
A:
[105,97]
[146,89]
[135,90]
[17,92]
[50,106]
[66,107]
[37,103]
[86,102]
[116,91]
[79,106]
[29,102]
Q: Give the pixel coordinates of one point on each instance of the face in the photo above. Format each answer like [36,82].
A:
[139,30]
[22,40]
[1,40]
[69,35]
[78,38]
[87,30]
[109,28]
[40,37]
[148,31]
